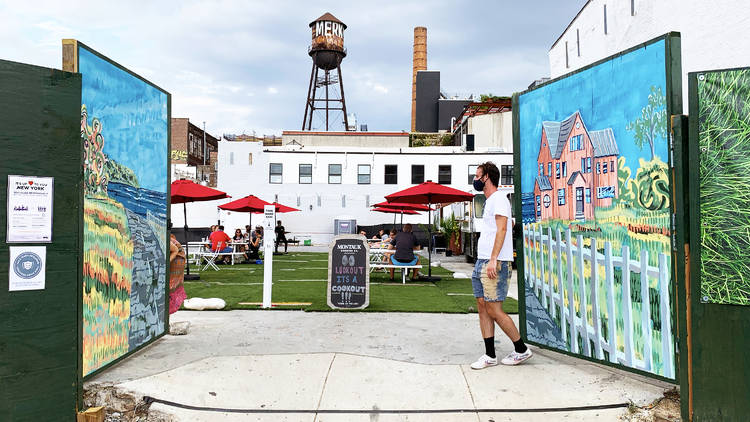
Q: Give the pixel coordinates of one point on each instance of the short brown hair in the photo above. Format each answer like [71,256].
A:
[490,170]
[407,227]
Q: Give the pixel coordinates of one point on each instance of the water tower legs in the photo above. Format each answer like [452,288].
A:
[328,99]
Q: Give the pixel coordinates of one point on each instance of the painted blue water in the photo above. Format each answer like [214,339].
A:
[139,200]
[527,207]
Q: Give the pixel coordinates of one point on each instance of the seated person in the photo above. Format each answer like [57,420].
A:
[363,233]
[383,236]
[239,238]
[253,248]
[389,243]
[219,241]
[405,243]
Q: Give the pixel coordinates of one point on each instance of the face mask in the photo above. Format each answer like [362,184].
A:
[478,185]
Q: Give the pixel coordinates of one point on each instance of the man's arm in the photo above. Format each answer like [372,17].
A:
[502,228]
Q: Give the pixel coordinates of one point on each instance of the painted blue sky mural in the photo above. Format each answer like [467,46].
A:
[123,102]
[591,92]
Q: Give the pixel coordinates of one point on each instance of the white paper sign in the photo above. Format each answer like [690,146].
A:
[29,209]
[27,268]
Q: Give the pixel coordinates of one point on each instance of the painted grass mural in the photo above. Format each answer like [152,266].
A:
[724,140]
[595,200]
[124,130]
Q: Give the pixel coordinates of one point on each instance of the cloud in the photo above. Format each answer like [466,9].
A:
[243,65]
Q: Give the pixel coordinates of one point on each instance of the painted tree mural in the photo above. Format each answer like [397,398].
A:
[652,124]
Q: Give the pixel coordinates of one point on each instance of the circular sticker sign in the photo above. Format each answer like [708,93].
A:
[27,265]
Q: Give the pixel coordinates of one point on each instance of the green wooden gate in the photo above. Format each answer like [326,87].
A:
[40,377]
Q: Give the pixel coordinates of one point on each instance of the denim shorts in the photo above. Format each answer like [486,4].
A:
[491,290]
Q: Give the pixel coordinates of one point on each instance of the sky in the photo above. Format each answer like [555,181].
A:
[242,66]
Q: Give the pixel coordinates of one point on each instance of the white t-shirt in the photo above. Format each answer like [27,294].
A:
[496,204]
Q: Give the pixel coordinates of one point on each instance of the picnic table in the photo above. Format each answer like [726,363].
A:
[204,253]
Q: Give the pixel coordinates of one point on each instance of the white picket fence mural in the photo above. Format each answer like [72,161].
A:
[571,324]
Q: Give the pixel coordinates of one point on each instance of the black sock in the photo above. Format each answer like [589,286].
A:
[520,346]
[489,347]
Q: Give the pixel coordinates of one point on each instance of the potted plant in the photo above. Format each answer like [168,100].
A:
[450,227]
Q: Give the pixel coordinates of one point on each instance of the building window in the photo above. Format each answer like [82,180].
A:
[598,168]
[363,174]
[250,158]
[391,174]
[506,175]
[612,166]
[604,168]
[334,173]
[578,42]
[576,143]
[417,174]
[231,158]
[274,173]
[605,19]
[541,170]
[444,175]
[305,174]
[473,172]
[538,206]
[632,7]
[565,168]
[561,197]
[547,201]
[567,63]
[549,169]
[557,170]
[588,195]
[588,165]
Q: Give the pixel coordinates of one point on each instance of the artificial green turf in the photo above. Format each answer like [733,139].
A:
[724,139]
[301,277]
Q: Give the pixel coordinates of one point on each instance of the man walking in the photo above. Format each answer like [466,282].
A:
[280,237]
[492,270]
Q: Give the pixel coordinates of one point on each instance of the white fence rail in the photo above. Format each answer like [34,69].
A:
[571,324]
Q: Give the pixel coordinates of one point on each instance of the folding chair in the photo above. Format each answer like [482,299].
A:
[210,257]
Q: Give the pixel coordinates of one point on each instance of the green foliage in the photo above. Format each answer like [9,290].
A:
[119,173]
[724,139]
[652,124]
[649,190]
[450,226]
[492,98]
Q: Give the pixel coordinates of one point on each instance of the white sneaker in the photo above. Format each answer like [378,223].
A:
[484,361]
[514,358]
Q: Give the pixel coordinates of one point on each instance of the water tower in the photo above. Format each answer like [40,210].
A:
[325,93]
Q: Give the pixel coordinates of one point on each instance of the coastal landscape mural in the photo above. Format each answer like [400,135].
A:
[124,131]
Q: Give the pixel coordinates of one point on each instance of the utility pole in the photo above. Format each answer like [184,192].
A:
[204,143]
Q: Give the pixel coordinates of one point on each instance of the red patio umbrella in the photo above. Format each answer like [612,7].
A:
[249,204]
[429,193]
[395,211]
[183,191]
[402,206]
[283,208]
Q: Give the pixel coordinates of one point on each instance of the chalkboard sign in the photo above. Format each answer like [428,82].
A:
[349,272]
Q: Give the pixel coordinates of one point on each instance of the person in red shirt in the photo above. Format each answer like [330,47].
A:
[219,241]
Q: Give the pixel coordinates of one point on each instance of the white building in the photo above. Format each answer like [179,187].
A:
[713,33]
[330,182]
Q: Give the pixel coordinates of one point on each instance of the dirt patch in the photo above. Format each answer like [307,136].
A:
[664,409]
[121,405]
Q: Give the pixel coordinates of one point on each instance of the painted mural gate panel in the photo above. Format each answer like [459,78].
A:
[724,141]
[124,132]
[595,200]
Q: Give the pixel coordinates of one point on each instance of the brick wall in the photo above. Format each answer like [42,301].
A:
[178,140]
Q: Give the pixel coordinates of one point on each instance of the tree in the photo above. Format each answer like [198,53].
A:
[653,121]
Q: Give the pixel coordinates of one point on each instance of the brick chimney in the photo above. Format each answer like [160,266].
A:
[419,63]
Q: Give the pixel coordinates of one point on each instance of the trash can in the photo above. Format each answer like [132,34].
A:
[307,242]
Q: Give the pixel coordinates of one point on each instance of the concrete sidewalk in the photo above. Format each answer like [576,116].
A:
[293,360]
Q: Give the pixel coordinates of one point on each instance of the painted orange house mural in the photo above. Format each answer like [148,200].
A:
[576,170]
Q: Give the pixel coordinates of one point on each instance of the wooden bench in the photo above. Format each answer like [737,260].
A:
[402,267]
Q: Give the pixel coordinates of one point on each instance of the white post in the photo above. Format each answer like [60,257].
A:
[584,299]
[609,276]
[595,301]
[664,312]
[569,288]
[645,312]
[545,285]
[269,221]
[627,307]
